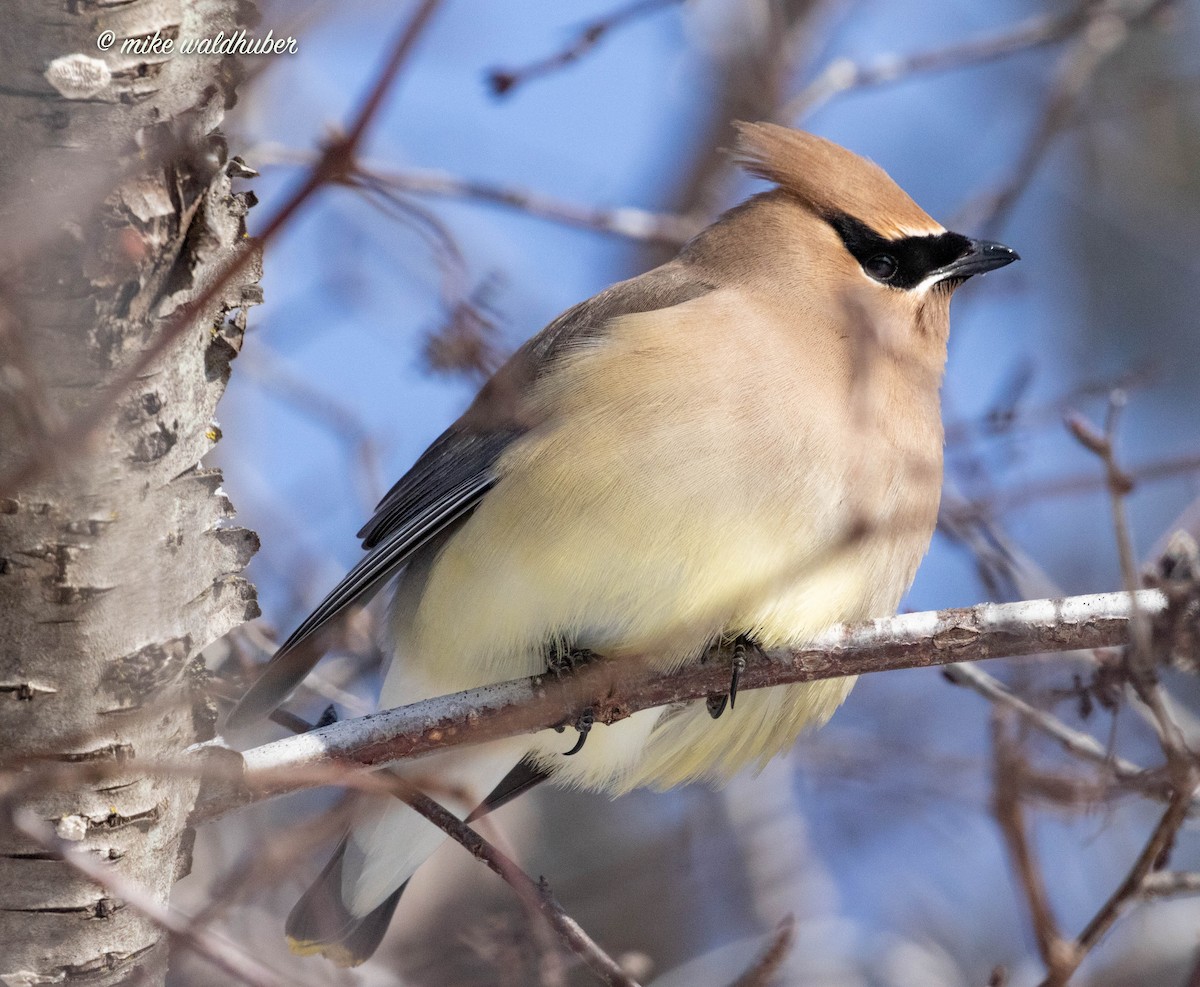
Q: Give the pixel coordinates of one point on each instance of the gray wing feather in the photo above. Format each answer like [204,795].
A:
[400,527]
[390,553]
[454,456]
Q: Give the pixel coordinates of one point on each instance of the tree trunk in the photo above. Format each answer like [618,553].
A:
[116,563]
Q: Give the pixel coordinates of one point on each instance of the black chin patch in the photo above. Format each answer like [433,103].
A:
[915,257]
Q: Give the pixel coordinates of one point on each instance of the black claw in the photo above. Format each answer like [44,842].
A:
[584,725]
[739,666]
[717,704]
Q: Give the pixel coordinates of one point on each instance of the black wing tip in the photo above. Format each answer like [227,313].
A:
[274,684]
[526,774]
[247,711]
[252,707]
[321,924]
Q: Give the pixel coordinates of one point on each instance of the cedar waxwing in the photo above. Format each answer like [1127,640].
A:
[744,443]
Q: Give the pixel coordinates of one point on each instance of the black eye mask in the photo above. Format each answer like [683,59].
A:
[902,263]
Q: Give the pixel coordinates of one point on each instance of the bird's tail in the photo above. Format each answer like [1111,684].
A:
[345,913]
[320,924]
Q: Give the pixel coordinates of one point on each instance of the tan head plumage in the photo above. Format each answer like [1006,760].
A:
[829,179]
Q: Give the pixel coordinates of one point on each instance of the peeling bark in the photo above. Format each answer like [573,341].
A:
[117,561]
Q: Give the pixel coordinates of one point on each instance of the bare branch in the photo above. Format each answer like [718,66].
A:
[1152,857]
[1141,659]
[1076,742]
[1166,468]
[616,690]
[843,75]
[503,81]
[267,369]
[1007,806]
[1010,412]
[538,893]
[1167,884]
[1107,27]
[625,221]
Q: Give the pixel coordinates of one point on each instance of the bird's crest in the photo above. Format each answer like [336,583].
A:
[830,180]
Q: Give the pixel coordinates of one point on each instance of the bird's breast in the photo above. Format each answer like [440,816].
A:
[688,478]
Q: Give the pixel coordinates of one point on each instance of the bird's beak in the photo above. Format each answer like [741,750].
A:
[981,256]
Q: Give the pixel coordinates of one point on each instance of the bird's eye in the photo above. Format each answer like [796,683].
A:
[882,267]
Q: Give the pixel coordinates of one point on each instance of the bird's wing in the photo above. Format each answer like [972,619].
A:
[442,487]
[454,473]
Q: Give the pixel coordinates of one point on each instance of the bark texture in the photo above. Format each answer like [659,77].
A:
[117,564]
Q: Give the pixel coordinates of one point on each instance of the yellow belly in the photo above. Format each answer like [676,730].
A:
[653,512]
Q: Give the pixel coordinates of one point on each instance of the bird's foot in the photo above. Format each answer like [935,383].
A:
[717,702]
[587,719]
[563,660]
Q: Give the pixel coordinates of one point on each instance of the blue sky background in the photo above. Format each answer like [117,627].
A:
[891,800]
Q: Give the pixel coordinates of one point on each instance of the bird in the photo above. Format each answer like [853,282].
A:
[741,445]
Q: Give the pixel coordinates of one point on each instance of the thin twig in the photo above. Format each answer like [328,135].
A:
[629,222]
[1129,890]
[1140,664]
[1167,884]
[545,930]
[1076,742]
[317,682]
[537,893]
[1105,29]
[222,953]
[504,81]
[269,370]
[1012,414]
[466,342]
[1079,484]
[1063,959]
[844,75]
[1119,485]
[1007,806]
